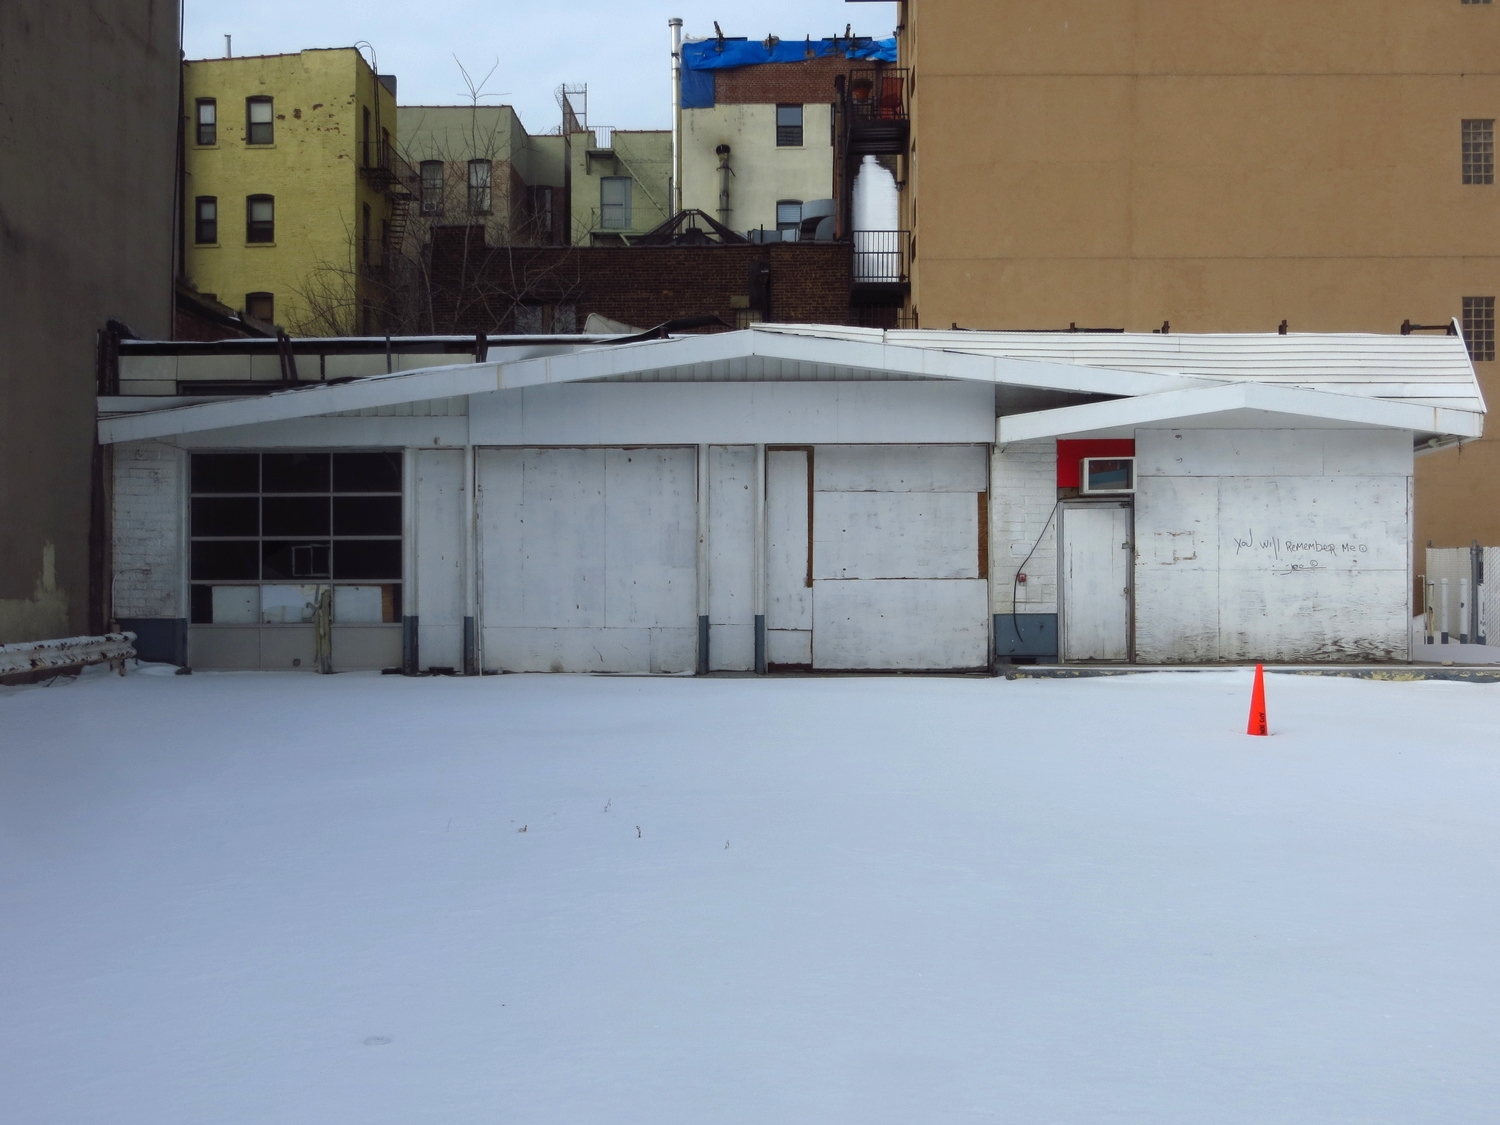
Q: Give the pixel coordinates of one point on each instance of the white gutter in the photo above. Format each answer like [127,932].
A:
[1297,402]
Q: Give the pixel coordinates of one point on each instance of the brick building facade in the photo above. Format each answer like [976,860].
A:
[481,288]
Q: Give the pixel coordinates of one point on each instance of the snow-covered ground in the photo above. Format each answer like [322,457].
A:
[263,898]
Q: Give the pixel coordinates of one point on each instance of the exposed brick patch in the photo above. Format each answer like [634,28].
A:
[788,83]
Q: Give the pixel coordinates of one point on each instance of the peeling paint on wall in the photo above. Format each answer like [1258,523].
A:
[42,616]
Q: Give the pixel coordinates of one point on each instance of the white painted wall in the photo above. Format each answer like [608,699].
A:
[440,508]
[763,172]
[730,548]
[150,560]
[1277,545]
[1023,495]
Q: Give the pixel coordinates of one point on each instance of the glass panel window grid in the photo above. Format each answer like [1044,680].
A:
[269,530]
[788,126]
[206,219]
[432,187]
[479,187]
[614,202]
[208,121]
[1479,150]
[260,121]
[1479,327]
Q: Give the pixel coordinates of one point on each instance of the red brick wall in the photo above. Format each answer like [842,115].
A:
[477,286]
[788,83]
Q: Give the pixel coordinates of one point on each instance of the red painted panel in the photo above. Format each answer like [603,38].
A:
[1070,455]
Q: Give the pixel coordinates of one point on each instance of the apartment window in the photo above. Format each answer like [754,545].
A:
[262,306]
[432,187]
[1479,150]
[479,187]
[1479,327]
[614,202]
[788,214]
[206,219]
[789,126]
[208,121]
[260,123]
[260,218]
[270,530]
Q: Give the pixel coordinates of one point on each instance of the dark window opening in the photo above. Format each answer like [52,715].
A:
[432,187]
[294,472]
[366,559]
[225,472]
[225,560]
[294,515]
[367,515]
[207,121]
[206,219]
[260,122]
[260,218]
[788,126]
[225,515]
[262,306]
[367,472]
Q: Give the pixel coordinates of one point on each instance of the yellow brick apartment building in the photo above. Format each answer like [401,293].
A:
[1223,168]
[289,200]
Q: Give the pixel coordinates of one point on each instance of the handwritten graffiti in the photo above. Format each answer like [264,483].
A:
[1283,554]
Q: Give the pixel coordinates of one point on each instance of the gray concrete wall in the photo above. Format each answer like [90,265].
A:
[88,134]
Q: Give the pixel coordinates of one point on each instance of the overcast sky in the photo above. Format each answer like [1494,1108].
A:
[620,48]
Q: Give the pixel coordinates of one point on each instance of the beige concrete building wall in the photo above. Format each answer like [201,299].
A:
[1117,164]
[313,268]
[763,171]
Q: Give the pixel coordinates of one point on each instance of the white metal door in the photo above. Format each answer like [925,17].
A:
[1094,587]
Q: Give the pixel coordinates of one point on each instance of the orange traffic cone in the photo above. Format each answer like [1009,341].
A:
[1258,703]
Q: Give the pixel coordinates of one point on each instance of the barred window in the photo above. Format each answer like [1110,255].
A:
[1479,327]
[1479,150]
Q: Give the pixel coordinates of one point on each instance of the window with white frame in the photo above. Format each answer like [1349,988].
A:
[788,126]
[260,121]
[207,121]
[788,214]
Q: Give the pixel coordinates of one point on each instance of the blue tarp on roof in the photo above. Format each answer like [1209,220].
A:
[700,60]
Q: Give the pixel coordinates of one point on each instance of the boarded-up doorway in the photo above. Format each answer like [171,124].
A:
[589,559]
[876,557]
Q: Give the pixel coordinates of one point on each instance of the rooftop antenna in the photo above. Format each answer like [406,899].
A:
[228,53]
[719,33]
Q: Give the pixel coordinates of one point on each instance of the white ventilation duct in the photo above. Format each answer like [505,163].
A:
[877,222]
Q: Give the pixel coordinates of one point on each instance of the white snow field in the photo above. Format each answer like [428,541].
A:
[264,898]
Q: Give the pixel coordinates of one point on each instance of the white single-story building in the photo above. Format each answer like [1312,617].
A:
[787,497]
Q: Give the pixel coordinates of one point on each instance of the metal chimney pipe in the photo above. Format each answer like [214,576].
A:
[675,195]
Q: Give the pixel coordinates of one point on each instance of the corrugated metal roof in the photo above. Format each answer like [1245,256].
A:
[1425,370]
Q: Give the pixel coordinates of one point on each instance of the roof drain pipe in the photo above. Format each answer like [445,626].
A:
[675,195]
[722,152]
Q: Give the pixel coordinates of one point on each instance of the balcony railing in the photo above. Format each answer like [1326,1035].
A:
[880,274]
[387,171]
[876,110]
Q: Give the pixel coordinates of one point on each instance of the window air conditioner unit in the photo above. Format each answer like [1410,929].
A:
[1103,476]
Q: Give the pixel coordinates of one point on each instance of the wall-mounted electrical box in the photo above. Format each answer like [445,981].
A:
[1107,475]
